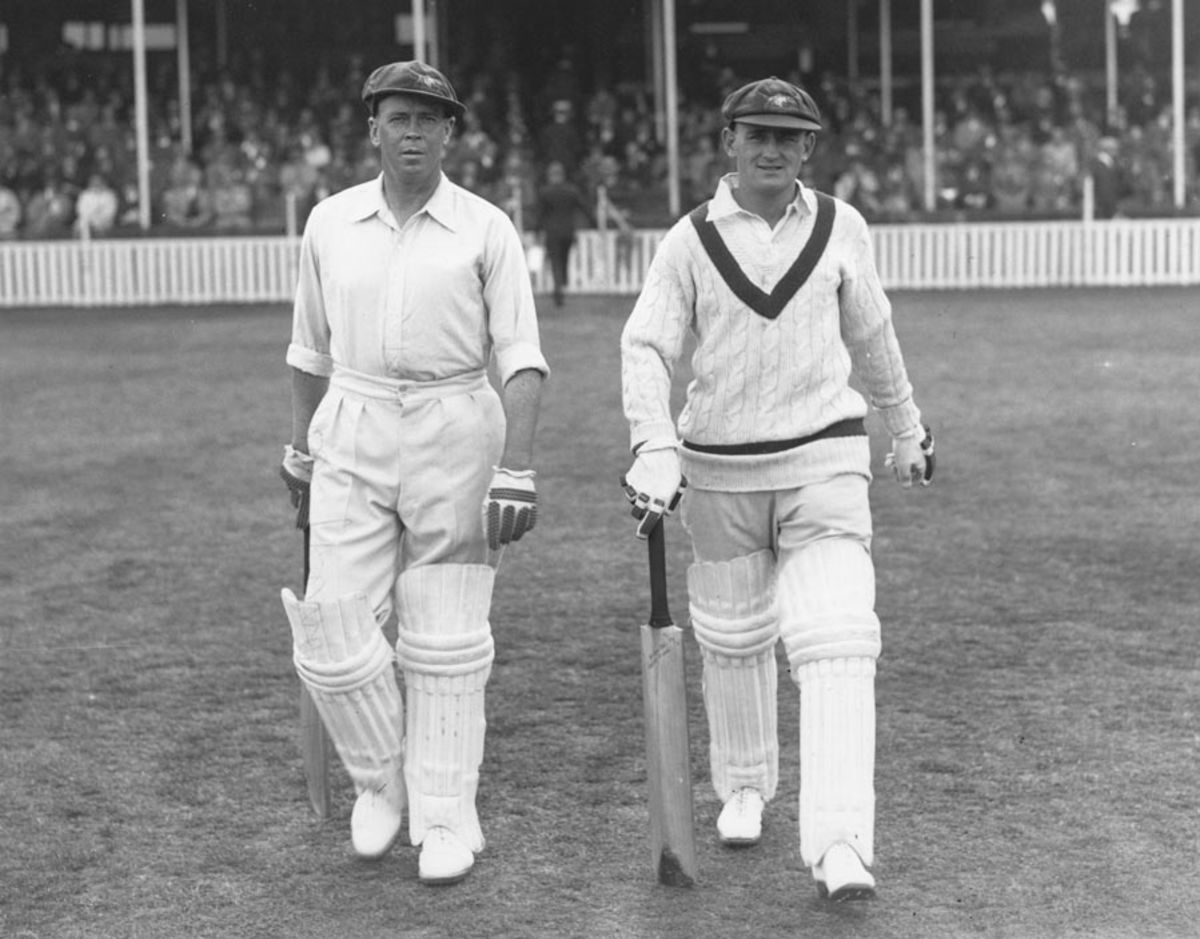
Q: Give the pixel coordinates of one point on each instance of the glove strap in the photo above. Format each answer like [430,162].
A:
[515,474]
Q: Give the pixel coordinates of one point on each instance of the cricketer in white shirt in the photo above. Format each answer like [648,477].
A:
[409,288]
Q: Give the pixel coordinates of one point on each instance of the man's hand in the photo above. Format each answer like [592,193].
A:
[297,475]
[912,458]
[510,508]
[654,485]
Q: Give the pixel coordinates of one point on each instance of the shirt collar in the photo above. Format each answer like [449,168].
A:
[724,204]
[370,201]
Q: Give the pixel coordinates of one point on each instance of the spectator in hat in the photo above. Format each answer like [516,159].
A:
[411,473]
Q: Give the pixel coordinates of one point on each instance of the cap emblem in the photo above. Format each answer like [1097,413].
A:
[782,102]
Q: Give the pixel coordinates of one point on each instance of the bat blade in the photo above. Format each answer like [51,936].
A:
[668,760]
[314,751]
[668,763]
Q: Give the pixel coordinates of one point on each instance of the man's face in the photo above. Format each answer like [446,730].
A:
[411,133]
[768,158]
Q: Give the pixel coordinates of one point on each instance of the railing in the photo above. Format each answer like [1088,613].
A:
[1125,253]
[147,271]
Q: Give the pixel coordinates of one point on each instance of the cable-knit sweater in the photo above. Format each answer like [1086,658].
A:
[755,379]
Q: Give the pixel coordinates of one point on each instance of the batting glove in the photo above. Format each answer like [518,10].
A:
[912,459]
[654,485]
[510,509]
[297,476]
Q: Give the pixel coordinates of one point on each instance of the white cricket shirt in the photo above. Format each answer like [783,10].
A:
[426,301]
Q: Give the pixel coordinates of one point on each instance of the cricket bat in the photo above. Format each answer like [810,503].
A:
[668,765]
[314,741]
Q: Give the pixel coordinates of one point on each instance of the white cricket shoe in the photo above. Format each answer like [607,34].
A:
[376,819]
[444,858]
[841,875]
[740,821]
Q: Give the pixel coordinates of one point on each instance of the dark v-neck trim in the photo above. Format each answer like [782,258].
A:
[764,304]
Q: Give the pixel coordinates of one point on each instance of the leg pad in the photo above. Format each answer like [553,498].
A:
[445,650]
[827,602]
[732,605]
[342,657]
[837,757]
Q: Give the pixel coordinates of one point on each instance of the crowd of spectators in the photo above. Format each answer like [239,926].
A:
[266,148]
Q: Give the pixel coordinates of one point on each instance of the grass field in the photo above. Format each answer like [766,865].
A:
[1039,692]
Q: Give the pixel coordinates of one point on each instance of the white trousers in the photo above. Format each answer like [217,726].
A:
[400,473]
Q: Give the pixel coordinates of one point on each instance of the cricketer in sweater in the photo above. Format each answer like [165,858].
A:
[776,286]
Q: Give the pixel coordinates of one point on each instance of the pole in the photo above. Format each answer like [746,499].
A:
[183,53]
[1110,61]
[433,35]
[418,14]
[927,104]
[672,107]
[852,40]
[1177,91]
[142,117]
[222,34]
[885,61]
[654,13]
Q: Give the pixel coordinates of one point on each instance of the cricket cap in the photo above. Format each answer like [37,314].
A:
[772,102]
[412,78]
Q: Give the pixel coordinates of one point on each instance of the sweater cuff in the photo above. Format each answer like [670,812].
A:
[656,434]
[903,419]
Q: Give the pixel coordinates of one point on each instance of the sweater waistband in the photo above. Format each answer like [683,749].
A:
[850,427]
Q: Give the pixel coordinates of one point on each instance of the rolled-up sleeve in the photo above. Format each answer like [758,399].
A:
[308,350]
[508,297]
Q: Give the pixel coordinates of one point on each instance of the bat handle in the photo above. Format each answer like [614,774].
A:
[304,586]
[660,612]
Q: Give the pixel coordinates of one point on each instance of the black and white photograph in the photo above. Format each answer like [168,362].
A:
[606,469]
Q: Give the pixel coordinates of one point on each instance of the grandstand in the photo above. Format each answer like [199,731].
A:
[266,123]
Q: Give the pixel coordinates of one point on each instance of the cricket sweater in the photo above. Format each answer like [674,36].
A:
[761,379]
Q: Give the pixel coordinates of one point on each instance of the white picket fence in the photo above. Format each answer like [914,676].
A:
[150,271]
